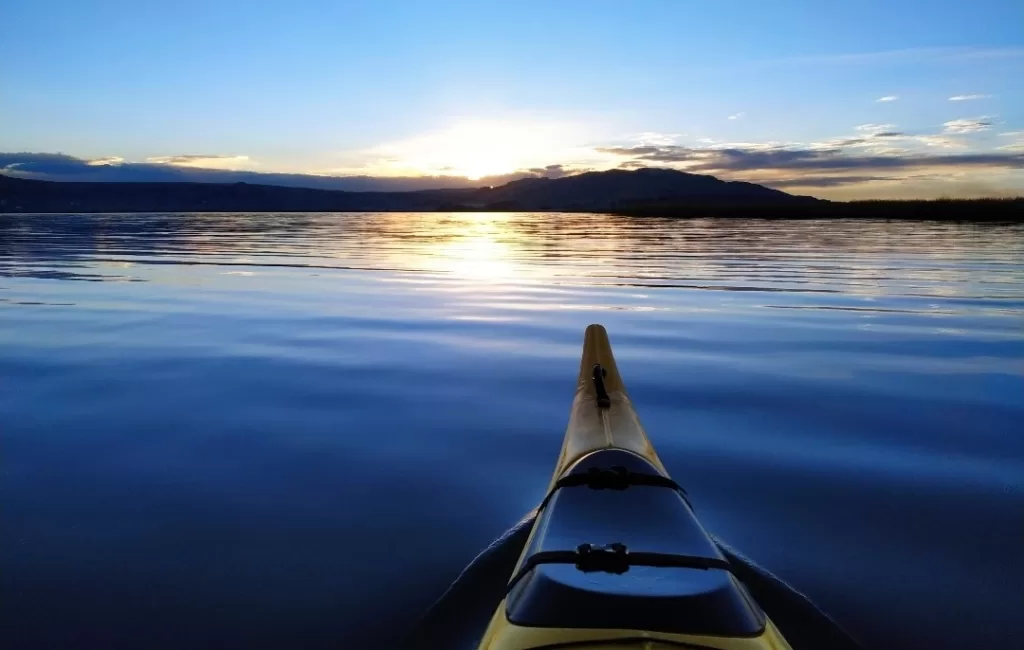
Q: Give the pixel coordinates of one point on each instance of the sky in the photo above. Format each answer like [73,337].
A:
[839,100]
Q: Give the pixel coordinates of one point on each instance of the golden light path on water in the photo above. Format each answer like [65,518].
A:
[494,266]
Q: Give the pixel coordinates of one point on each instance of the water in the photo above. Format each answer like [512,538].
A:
[292,431]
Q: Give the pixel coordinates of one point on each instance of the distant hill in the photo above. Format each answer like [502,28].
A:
[620,188]
[593,191]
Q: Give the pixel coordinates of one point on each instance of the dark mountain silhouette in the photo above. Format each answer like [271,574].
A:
[592,191]
[21,195]
[620,188]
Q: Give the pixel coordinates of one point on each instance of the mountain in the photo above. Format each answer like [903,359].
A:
[592,191]
[618,188]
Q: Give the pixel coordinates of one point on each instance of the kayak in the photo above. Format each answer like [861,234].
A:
[616,558]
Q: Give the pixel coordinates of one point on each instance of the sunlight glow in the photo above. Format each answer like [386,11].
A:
[205,162]
[480,148]
[476,247]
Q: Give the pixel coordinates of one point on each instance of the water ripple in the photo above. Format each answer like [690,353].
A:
[294,430]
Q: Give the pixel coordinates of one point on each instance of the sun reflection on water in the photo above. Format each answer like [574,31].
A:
[477,246]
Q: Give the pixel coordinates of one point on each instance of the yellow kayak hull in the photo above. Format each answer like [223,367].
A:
[592,427]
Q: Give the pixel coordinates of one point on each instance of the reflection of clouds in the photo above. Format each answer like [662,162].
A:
[522,305]
[475,318]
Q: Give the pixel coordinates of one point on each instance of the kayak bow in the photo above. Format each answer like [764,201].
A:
[616,558]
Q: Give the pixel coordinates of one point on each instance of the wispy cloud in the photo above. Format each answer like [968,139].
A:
[829,181]
[656,137]
[59,167]
[751,146]
[812,161]
[879,137]
[967,98]
[939,141]
[844,167]
[109,160]
[736,116]
[967,125]
[12,160]
[1017,144]
[888,98]
[877,130]
[204,161]
[551,171]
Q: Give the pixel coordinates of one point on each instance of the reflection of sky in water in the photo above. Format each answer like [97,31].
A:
[856,259]
[842,400]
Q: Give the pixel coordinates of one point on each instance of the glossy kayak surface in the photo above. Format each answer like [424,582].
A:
[616,558]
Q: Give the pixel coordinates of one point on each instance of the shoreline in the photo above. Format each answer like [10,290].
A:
[1007,210]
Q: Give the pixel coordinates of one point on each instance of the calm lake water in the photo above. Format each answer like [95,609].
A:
[293,430]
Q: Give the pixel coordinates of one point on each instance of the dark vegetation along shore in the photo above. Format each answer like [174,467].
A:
[994,210]
[642,192]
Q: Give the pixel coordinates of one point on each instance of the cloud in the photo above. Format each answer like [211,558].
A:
[550,171]
[717,161]
[967,125]
[967,98]
[874,129]
[22,158]
[61,167]
[27,164]
[846,173]
[875,154]
[880,138]
[1017,145]
[655,137]
[185,168]
[736,116]
[109,160]
[632,164]
[828,181]
[888,98]
[204,161]
[869,133]
[839,143]
[882,135]
[939,141]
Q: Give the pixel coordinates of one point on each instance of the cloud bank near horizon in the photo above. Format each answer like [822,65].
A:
[872,161]
[197,168]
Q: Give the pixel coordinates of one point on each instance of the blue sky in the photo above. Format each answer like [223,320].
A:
[491,90]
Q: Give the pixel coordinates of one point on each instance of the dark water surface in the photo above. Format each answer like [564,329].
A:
[292,431]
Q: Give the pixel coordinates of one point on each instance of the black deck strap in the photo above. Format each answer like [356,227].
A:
[617,559]
[598,375]
[612,478]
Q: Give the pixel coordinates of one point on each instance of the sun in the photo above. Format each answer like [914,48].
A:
[478,149]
